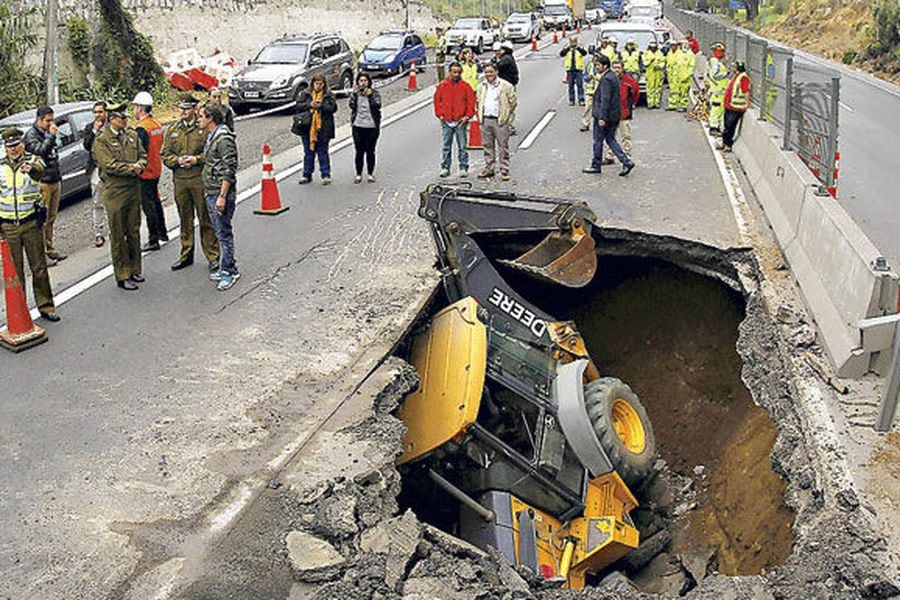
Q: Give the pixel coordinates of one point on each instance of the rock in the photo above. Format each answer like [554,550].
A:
[664,575]
[698,563]
[699,470]
[512,581]
[617,582]
[313,558]
[398,539]
[336,516]
[650,547]
[659,465]
[786,315]
[452,544]
[684,507]
[430,588]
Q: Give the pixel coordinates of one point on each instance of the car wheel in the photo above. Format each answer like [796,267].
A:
[240,109]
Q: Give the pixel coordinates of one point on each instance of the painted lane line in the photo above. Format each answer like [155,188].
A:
[846,107]
[536,131]
[106,272]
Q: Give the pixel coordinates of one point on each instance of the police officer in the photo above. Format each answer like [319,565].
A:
[182,152]
[121,158]
[717,77]
[21,216]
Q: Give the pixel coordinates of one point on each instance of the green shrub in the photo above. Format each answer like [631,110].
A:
[123,57]
[886,34]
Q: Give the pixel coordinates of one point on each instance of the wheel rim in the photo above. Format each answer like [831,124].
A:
[628,426]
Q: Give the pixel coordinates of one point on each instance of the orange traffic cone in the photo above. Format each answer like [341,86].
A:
[534,43]
[20,332]
[413,85]
[474,135]
[269,198]
[555,37]
[564,31]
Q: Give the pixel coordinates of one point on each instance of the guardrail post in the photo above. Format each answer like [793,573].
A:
[833,119]
[789,100]
[764,88]
[888,407]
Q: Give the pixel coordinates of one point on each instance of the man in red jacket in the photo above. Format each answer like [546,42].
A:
[630,93]
[454,106]
[692,41]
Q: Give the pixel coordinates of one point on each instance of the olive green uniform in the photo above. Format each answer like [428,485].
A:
[116,154]
[21,194]
[185,138]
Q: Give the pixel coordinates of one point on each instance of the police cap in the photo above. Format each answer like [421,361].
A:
[187,100]
[12,136]
[117,109]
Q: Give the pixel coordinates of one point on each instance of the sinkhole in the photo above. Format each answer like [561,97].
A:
[712,502]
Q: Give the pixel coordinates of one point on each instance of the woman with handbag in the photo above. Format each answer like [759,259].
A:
[314,123]
[365,118]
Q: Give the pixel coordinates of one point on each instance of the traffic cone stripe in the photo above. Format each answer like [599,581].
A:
[20,332]
[269,198]
[413,84]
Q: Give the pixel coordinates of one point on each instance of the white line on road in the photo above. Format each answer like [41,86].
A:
[106,272]
[846,107]
[536,131]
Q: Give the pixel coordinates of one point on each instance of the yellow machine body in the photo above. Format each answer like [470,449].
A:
[450,358]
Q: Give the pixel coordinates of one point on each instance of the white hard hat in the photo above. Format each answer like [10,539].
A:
[496,45]
[507,44]
[631,41]
[143,99]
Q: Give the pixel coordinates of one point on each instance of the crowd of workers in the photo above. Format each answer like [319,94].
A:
[199,148]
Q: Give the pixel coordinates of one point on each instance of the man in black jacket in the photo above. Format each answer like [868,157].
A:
[40,140]
[607,112]
[507,70]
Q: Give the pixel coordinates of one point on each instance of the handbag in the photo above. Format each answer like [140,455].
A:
[301,123]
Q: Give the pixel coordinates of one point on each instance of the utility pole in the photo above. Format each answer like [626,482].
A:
[407,15]
[51,58]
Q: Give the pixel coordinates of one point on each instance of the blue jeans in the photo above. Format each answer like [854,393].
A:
[461,133]
[221,223]
[575,79]
[607,134]
[310,155]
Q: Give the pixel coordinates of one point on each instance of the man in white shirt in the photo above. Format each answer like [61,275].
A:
[495,104]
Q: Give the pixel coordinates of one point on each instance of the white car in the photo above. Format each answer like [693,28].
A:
[473,32]
[595,15]
[557,16]
[522,27]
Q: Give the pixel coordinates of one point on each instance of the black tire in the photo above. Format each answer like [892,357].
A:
[240,109]
[599,396]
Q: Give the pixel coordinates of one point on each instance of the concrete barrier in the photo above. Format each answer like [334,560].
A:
[843,278]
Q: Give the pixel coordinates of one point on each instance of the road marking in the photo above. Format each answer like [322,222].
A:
[106,272]
[536,131]
[846,107]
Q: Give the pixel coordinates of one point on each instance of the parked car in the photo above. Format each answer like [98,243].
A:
[392,52]
[556,16]
[283,68]
[595,15]
[473,32]
[71,118]
[522,27]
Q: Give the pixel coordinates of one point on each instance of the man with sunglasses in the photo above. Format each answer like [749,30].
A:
[98,212]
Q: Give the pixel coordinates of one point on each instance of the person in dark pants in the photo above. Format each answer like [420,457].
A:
[607,112]
[573,63]
[737,100]
[41,140]
[220,160]
[365,118]
[315,126]
[150,133]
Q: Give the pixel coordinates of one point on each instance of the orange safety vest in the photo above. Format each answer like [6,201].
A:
[735,98]
[154,162]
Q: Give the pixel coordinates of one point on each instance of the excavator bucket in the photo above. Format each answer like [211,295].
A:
[563,257]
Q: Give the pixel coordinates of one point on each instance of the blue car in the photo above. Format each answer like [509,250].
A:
[392,52]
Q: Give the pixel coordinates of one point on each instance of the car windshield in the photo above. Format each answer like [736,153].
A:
[642,37]
[556,9]
[467,24]
[518,19]
[386,42]
[275,54]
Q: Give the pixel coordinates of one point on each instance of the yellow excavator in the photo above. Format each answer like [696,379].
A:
[512,419]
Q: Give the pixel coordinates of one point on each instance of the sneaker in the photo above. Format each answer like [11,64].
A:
[592,170]
[357,179]
[504,176]
[584,128]
[464,172]
[371,178]
[99,241]
[326,181]
[445,173]
[303,180]
[56,255]
[227,280]
[485,174]
[215,276]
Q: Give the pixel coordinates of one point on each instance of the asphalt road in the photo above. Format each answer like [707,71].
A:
[125,440]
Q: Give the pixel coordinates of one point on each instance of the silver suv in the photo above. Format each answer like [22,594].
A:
[285,67]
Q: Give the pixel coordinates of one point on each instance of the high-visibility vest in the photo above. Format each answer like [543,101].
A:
[717,75]
[470,74]
[609,52]
[735,99]
[654,60]
[154,162]
[579,60]
[19,193]
[631,61]
[591,78]
[685,64]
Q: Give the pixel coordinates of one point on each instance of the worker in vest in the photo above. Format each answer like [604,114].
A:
[631,59]
[573,63]
[717,78]
[150,133]
[609,51]
[654,63]
[21,217]
[737,100]
[121,158]
[591,78]
[680,77]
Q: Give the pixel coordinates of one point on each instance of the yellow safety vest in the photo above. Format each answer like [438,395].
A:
[717,75]
[654,60]
[631,61]
[579,60]
[470,74]
[738,99]
[685,64]
[591,78]
[19,193]
[609,53]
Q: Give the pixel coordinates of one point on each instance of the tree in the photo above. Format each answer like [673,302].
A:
[20,86]
[123,57]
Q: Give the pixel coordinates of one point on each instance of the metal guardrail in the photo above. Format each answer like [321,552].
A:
[799,98]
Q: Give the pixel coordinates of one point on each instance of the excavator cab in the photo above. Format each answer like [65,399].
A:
[512,419]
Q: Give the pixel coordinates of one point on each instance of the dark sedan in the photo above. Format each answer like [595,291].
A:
[71,118]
